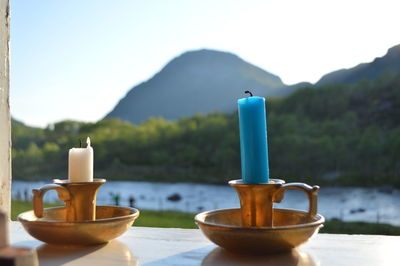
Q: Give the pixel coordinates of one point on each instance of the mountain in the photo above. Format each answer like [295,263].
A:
[206,81]
[201,81]
[388,64]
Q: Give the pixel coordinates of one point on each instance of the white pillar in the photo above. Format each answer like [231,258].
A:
[5,121]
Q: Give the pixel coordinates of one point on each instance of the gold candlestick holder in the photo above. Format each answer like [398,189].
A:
[79,198]
[80,221]
[256,200]
[258,227]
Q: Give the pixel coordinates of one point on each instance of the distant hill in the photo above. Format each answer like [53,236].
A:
[200,81]
[388,64]
[17,123]
[206,81]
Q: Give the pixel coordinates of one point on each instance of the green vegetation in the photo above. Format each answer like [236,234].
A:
[168,219]
[178,219]
[344,134]
[339,227]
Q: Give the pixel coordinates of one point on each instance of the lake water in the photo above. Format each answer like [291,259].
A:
[349,204]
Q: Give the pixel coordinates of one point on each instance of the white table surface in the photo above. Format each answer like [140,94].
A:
[161,246]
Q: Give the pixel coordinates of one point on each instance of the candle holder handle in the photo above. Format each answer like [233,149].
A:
[311,191]
[63,194]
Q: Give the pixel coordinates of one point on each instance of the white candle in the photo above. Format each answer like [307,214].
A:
[80,164]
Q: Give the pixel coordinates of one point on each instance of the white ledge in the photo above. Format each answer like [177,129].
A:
[172,246]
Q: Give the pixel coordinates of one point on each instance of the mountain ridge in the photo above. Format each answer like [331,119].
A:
[205,81]
[201,81]
[387,64]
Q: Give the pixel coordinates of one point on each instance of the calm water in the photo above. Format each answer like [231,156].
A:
[349,204]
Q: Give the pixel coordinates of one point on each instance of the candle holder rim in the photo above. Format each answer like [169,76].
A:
[135,214]
[66,181]
[318,221]
[239,182]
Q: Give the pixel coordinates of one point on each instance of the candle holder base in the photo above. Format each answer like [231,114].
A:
[52,227]
[291,229]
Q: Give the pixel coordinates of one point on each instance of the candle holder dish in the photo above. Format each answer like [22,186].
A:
[52,227]
[80,221]
[257,227]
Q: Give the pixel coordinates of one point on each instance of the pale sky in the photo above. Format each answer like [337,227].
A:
[76,59]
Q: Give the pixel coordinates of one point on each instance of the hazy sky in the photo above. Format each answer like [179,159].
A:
[75,59]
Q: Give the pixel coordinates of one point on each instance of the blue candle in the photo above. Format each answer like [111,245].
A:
[253,140]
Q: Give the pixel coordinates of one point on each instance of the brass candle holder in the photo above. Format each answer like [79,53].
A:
[79,198]
[80,221]
[256,200]
[257,227]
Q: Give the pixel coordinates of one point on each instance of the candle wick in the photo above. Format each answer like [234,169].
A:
[249,92]
[80,143]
